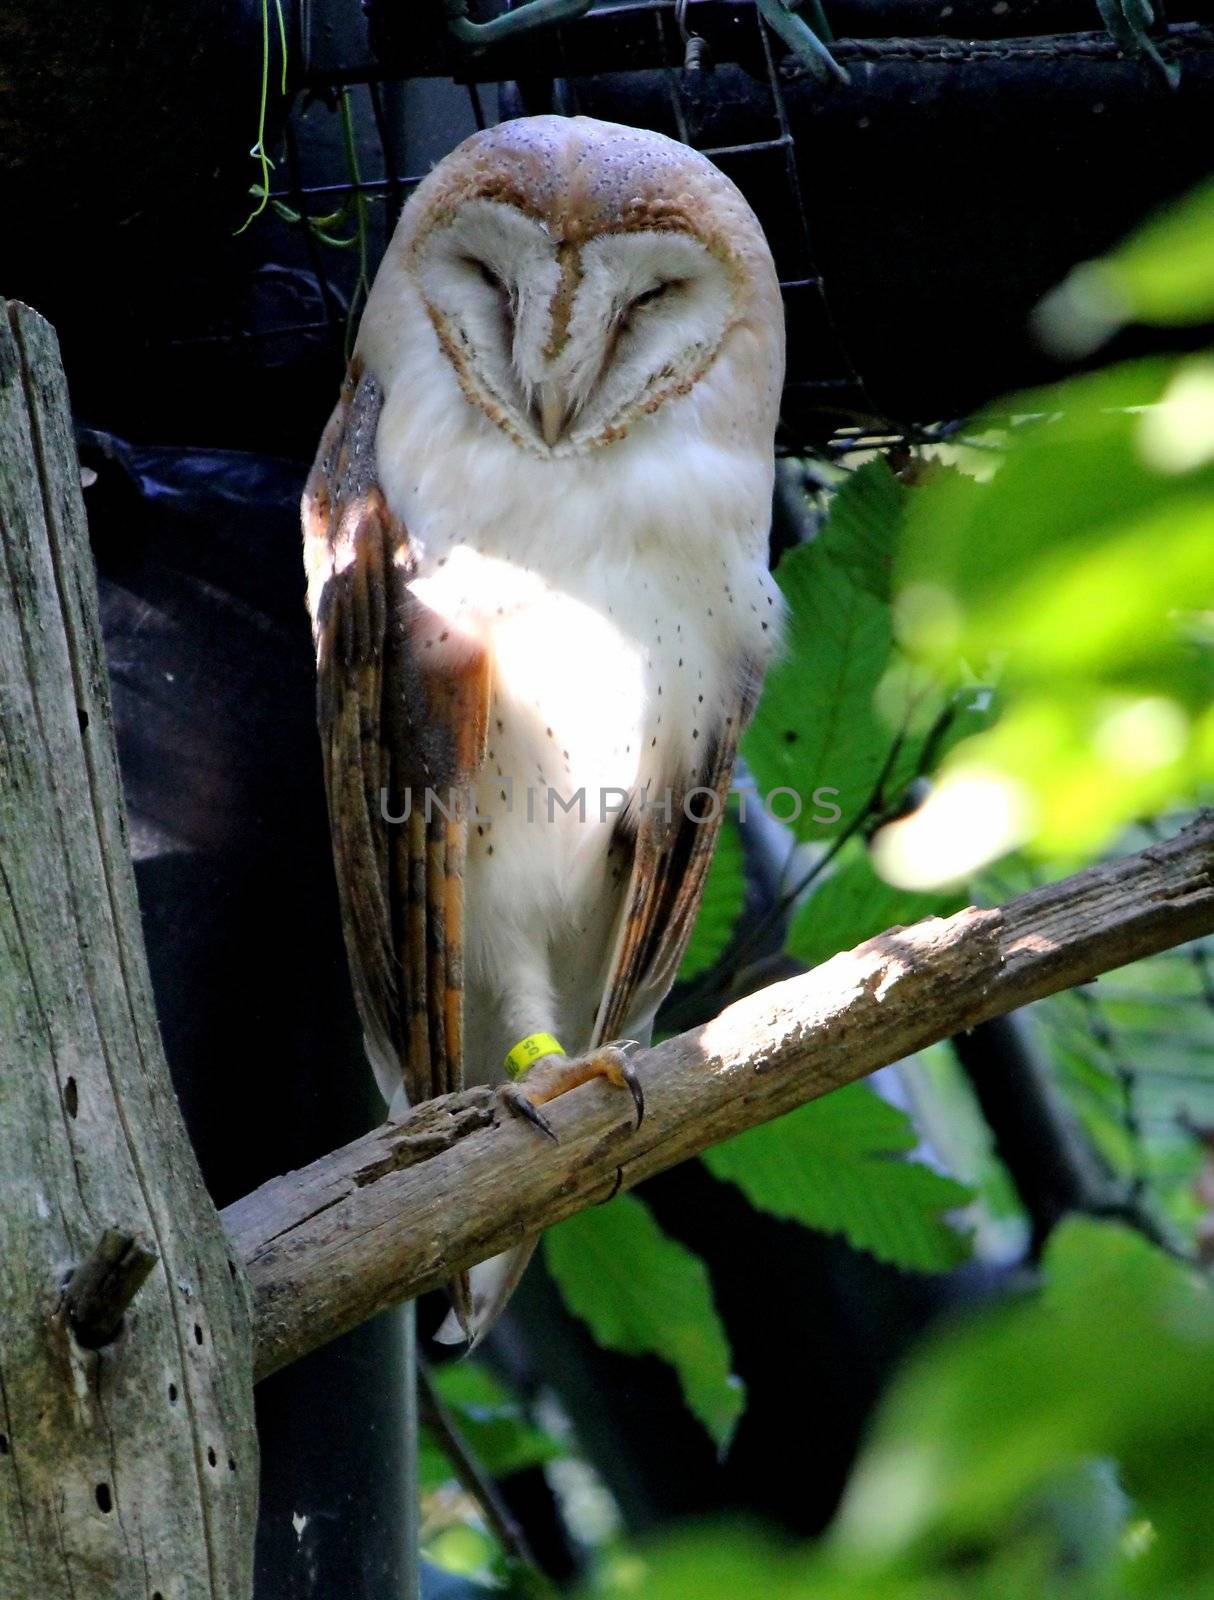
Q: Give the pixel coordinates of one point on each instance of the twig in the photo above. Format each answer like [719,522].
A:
[103,1286]
[475,1480]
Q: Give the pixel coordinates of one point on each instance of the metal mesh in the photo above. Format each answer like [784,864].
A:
[356,194]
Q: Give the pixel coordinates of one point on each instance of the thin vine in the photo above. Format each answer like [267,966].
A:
[357,205]
[362,224]
[261,191]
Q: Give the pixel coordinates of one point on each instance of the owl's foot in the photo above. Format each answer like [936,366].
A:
[552,1076]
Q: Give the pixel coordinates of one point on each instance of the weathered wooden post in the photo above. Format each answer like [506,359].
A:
[128,1459]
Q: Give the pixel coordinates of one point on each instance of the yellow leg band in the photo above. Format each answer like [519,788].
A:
[529,1050]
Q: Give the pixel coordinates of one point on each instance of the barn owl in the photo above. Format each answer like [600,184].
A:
[536,551]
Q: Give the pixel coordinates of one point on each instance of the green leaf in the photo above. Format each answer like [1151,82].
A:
[1054,1445]
[844,723]
[1083,566]
[931,719]
[433,1468]
[1135,1054]
[853,904]
[1084,602]
[737,1562]
[492,1421]
[817,727]
[1061,480]
[642,1292]
[862,529]
[720,1563]
[832,1165]
[1084,763]
[1114,1359]
[721,906]
[1165,272]
[1104,611]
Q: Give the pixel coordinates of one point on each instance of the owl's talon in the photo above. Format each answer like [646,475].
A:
[522,1105]
[611,1063]
[633,1084]
[554,1075]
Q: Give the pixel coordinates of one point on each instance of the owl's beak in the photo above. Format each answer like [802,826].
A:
[550,408]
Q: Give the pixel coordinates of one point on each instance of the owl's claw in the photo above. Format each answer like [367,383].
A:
[556,1075]
[633,1084]
[514,1099]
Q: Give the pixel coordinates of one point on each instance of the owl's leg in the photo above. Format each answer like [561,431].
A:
[553,1075]
[537,1070]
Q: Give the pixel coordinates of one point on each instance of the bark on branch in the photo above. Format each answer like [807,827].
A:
[400,1210]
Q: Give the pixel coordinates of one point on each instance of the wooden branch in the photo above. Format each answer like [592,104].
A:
[128,1470]
[103,1286]
[400,1210]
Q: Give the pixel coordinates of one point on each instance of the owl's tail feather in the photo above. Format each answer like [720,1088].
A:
[479,1297]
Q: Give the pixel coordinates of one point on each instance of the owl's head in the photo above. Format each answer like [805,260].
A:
[579,275]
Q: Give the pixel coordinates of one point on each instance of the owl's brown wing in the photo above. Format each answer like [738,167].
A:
[669,864]
[402,704]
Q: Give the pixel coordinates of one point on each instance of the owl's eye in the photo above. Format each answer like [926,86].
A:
[487,275]
[646,298]
[650,295]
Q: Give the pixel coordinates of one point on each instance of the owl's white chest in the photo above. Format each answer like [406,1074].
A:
[620,597]
[597,703]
